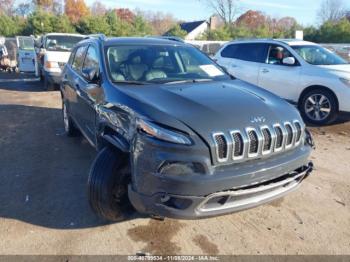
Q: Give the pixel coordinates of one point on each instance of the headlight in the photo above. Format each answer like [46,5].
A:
[345,81]
[50,64]
[161,133]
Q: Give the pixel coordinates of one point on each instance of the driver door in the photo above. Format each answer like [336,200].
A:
[280,79]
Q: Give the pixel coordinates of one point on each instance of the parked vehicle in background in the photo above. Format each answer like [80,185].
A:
[177,136]
[8,54]
[26,55]
[304,73]
[53,54]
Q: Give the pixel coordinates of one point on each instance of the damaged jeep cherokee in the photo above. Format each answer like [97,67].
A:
[176,135]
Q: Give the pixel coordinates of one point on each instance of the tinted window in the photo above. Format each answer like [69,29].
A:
[253,52]
[229,51]
[91,59]
[277,54]
[79,58]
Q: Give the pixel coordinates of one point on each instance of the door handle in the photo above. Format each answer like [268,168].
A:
[233,65]
[265,70]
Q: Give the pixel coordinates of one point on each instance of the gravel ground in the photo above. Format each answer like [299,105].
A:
[44,208]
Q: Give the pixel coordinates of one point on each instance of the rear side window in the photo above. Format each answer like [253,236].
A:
[79,58]
[91,59]
[251,52]
[230,51]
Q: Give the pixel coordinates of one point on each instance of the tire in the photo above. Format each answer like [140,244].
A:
[108,185]
[319,107]
[69,126]
[48,85]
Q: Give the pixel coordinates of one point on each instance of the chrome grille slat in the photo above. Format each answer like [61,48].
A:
[257,142]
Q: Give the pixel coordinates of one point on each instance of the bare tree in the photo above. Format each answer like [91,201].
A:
[226,9]
[24,8]
[98,8]
[160,22]
[6,6]
[331,10]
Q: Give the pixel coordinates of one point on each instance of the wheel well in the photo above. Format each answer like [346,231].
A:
[110,137]
[310,88]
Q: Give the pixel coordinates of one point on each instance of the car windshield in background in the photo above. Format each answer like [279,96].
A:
[26,44]
[317,55]
[161,64]
[61,42]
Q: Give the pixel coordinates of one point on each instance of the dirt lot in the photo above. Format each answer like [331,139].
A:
[44,209]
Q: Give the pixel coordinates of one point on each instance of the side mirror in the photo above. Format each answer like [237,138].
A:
[91,75]
[289,61]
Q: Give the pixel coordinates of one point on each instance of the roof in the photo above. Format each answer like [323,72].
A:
[49,34]
[290,42]
[190,26]
[140,41]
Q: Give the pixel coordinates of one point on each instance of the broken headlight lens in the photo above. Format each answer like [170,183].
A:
[161,133]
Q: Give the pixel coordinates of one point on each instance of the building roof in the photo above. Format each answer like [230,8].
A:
[190,26]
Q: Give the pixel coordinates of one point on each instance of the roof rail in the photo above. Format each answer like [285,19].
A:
[98,36]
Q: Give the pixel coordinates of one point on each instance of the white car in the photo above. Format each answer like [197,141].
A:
[304,73]
[54,52]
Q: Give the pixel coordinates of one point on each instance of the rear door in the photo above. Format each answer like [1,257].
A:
[72,81]
[243,60]
[26,54]
[283,80]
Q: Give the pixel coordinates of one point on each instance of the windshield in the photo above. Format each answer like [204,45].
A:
[26,43]
[161,64]
[61,42]
[317,55]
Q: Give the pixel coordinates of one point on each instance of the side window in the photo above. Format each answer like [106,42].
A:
[276,55]
[71,58]
[252,52]
[91,59]
[230,51]
[79,58]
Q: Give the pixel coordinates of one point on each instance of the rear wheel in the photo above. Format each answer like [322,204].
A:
[69,126]
[319,107]
[108,185]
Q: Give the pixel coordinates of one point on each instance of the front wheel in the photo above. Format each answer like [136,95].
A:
[108,185]
[48,85]
[319,107]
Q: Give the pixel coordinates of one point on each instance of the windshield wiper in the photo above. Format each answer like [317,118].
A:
[188,81]
[130,82]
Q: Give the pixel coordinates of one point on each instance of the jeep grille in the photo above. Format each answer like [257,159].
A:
[257,142]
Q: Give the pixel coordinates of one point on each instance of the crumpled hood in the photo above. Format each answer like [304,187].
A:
[215,106]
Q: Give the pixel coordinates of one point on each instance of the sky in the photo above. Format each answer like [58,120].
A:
[305,11]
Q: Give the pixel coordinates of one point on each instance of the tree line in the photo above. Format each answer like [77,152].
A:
[74,16]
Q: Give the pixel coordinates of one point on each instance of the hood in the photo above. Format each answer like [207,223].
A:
[57,56]
[337,68]
[215,106]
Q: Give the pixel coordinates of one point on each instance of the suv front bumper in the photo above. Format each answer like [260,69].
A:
[203,190]
[219,203]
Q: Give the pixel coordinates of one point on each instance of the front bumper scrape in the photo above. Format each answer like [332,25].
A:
[219,203]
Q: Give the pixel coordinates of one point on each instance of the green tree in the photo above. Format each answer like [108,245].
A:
[141,27]
[177,31]
[39,22]
[10,26]
[93,25]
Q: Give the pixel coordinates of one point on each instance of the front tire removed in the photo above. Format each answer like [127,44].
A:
[108,185]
